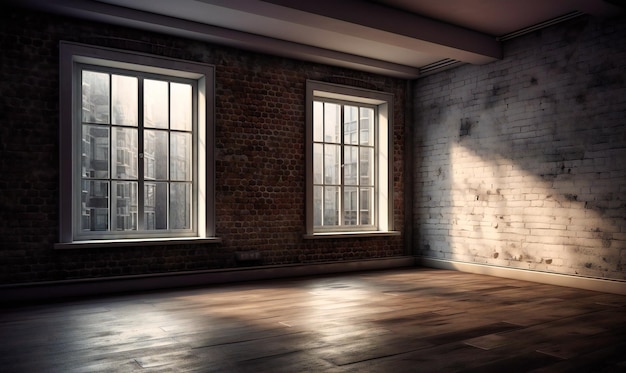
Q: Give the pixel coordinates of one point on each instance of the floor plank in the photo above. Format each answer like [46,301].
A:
[401,320]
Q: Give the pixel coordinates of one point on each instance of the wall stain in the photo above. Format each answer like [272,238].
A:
[571,197]
[466,127]
[495,95]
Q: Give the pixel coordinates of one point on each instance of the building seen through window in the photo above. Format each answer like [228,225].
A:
[137,161]
[349,160]
[343,158]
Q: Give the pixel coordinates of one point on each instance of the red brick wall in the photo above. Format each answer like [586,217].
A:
[260,160]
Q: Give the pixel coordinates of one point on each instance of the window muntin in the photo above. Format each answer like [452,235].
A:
[343,164]
[349,160]
[137,133]
[103,133]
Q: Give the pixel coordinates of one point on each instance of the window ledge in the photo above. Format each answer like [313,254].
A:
[137,242]
[324,235]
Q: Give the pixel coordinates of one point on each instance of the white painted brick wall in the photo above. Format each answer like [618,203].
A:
[522,162]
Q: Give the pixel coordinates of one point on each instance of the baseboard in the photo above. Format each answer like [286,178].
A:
[588,283]
[47,291]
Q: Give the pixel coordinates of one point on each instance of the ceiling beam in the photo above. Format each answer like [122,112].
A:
[395,26]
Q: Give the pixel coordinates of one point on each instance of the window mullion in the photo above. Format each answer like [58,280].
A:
[343,164]
[374,205]
[141,163]
[169,155]
[323,186]
[110,160]
[358,165]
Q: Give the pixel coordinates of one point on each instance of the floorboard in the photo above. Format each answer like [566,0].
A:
[402,320]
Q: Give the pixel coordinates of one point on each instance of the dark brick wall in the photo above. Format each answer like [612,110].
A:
[260,160]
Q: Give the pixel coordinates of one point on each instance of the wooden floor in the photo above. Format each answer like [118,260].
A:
[409,320]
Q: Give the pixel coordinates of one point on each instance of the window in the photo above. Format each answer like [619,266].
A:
[136,147]
[349,179]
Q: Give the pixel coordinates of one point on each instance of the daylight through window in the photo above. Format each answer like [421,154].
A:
[136,163]
[343,164]
[349,183]
[138,148]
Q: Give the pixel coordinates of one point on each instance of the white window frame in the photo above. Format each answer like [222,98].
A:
[383,170]
[72,57]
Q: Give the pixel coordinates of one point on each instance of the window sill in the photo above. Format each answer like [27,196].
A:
[137,242]
[325,235]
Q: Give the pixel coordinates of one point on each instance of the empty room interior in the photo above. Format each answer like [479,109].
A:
[313,186]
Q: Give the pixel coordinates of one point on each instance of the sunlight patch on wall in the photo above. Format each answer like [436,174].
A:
[501,214]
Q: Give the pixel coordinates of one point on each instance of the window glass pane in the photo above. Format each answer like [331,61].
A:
[331,206]
[332,122]
[366,166]
[124,205]
[95,97]
[318,121]
[180,156]
[318,205]
[332,164]
[95,205]
[95,154]
[155,154]
[350,206]
[367,126]
[155,205]
[124,101]
[124,153]
[350,165]
[135,147]
[318,163]
[180,106]
[346,152]
[365,203]
[180,206]
[155,104]
[350,125]
[149,201]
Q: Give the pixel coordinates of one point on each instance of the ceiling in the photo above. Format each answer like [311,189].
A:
[401,38]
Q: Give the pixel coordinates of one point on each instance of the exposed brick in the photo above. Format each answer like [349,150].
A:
[547,131]
[260,155]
